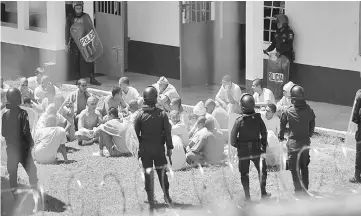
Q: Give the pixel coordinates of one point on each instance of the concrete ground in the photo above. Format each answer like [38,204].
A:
[327,115]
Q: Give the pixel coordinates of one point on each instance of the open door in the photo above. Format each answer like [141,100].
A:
[110,25]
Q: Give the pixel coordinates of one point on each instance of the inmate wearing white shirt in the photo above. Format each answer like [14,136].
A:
[47,141]
[266,96]
[273,124]
[180,129]
[132,94]
[236,93]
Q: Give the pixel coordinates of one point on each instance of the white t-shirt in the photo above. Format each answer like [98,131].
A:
[216,124]
[178,154]
[180,129]
[32,82]
[132,94]
[273,124]
[235,93]
[40,93]
[47,142]
[266,96]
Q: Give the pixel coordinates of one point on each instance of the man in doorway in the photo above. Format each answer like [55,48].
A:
[77,62]
[229,95]
[262,96]
[283,39]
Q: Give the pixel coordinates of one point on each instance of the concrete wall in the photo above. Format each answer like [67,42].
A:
[154,22]
[328,34]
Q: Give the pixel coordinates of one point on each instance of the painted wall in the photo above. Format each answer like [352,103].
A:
[328,36]
[52,39]
[154,22]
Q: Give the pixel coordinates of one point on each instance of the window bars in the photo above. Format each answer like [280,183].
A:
[108,7]
[196,11]
[271,8]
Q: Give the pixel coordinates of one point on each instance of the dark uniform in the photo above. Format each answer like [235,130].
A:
[301,120]
[245,136]
[356,118]
[16,131]
[283,40]
[153,130]
[77,62]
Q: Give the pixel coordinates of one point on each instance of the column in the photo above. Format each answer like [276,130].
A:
[254,41]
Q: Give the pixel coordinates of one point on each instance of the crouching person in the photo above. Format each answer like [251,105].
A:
[116,136]
[88,120]
[49,141]
[208,147]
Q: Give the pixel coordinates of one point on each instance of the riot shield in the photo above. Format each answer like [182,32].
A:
[350,140]
[86,38]
[277,74]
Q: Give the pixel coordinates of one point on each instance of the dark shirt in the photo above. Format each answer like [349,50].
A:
[283,42]
[301,119]
[356,115]
[248,128]
[153,130]
[16,129]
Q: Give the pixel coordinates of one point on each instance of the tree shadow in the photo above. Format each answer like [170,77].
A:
[175,206]
[63,162]
[71,149]
[11,207]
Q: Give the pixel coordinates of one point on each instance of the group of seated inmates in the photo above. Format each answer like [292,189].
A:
[198,137]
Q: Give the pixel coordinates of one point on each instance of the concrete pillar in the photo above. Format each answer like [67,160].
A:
[254,41]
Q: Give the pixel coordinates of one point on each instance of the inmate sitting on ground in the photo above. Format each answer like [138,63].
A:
[202,136]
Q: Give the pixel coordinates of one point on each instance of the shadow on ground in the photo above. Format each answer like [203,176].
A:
[11,208]
[71,149]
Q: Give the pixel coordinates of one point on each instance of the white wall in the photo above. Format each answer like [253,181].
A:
[254,40]
[326,33]
[154,22]
[52,39]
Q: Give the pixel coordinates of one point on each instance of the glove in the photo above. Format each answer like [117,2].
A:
[169,152]
[265,52]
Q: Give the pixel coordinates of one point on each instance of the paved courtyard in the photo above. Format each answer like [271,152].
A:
[327,115]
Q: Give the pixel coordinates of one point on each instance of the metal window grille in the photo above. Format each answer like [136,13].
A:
[196,11]
[108,7]
[271,8]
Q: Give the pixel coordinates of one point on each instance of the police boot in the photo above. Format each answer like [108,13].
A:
[150,197]
[167,198]
[245,184]
[356,178]
[93,81]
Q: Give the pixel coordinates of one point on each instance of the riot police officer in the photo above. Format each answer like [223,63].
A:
[301,119]
[283,39]
[153,130]
[245,136]
[16,131]
[77,63]
[356,118]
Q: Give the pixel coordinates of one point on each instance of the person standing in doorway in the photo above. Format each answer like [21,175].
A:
[283,40]
[77,62]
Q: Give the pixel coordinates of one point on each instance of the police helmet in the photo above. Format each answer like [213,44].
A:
[78,3]
[281,18]
[247,102]
[297,93]
[13,96]
[150,95]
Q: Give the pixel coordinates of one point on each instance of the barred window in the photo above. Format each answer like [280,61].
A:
[196,11]
[271,8]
